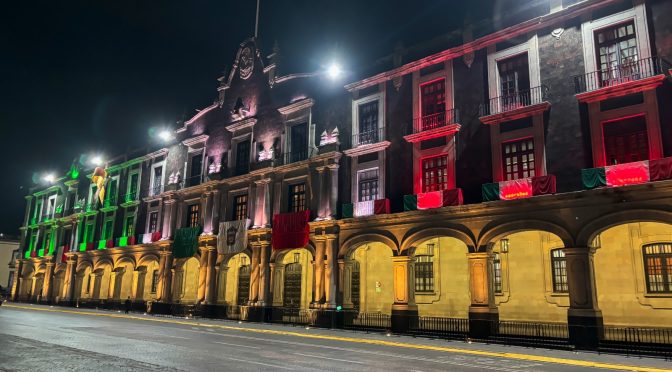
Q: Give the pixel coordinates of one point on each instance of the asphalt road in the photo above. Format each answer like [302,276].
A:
[40,338]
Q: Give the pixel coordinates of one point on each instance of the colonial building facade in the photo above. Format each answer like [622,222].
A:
[520,174]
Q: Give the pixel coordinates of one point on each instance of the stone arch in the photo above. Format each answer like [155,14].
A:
[602,223]
[228,284]
[83,264]
[125,259]
[495,230]
[103,261]
[147,259]
[355,241]
[277,255]
[186,280]
[421,234]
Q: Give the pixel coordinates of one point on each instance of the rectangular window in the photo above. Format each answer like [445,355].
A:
[47,243]
[368,184]
[616,53]
[497,265]
[88,233]
[155,281]
[658,267]
[299,142]
[435,173]
[153,221]
[38,209]
[297,197]
[514,78]
[518,159]
[243,157]
[157,180]
[111,193]
[193,215]
[108,229]
[195,170]
[240,207]
[626,140]
[368,123]
[559,271]
[433,104]
[132,187]
[129,226]
[424,273]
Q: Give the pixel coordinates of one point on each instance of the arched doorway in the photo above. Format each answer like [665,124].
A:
[293,279]
[123,281]
[148,280]
[292,285]
[185,281]
[371,281]
[58,291]
[100,282]
[235,280]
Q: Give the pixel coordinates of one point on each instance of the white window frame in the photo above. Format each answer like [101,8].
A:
[91,192]
[363,167]
[158,219]
[531,47]
[359,173]
[131,172]
[637,14]
[187,165]
[161,164]
[52,211]
[380,97]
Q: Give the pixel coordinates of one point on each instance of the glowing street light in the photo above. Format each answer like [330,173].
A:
[334,71]
[165,135]
[49,178]
[97,160]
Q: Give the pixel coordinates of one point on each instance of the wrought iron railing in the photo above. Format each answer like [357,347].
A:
[110,201]
[434,121]
[366,321]
[293,156]
[131,196]
[191,181]
[435,326]
[368,137]
[519,99]
[619,74]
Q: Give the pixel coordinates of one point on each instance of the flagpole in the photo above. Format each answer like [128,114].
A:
[256,23]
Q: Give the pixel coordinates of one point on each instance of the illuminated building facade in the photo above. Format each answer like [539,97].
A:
[520,174]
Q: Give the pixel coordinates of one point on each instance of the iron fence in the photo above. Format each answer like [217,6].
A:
[366,321]
[510,102]
[434,121]
[621,73]
[368,137]
[434,326]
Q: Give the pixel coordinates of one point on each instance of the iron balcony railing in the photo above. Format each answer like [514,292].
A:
[619,74]
[434,121]
[191,181]
[110,201]
[131,196]
[368,137]
[293,156]
[510,102]
[155,190]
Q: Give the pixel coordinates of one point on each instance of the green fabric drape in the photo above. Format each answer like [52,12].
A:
[348,210]
[185,243]
[593,177]
[490,191]
[410,202]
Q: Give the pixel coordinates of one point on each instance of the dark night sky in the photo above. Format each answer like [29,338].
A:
[84,76]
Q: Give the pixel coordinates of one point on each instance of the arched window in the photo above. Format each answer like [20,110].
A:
[658,267]
[559,271]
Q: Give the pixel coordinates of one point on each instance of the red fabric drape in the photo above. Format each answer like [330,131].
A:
[66,248]
[543,185]
[627,173]
[109,243]
[429,200]
[156,236]
[660,169]
[33,253]
[515,189]
[290,230]
[89,246]
[452,197]
[131,240]
[381,206]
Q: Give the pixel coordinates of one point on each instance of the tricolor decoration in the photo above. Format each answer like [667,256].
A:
[366,208]
[290,230]
[433,199]
[627,173]
[83,247]
[519,189]
[125,241]
[150,237]
[185,243]
[232,236]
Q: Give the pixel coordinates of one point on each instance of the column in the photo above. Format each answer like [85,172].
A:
[321,195]
[169,212]
[202,274]
[264,273]
[584,317]
[344,280]
[48,284]
[16,283]
[211,277]
[331,272]
[216,202]
[207,214]
[262,210]
[271,284]
[320,248]
[254,274]
[137,276]
[404,310]
[113,283]
[333,191]
[165,276]
[70,276]
[483,313]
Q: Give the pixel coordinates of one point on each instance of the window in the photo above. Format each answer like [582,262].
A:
[514,77]
[195,169]
[132,187]
[433,104]
[46,245]
[298,142]
[153,221]
[155,281]
[111,193]
[626,141]
[51,207]
[129,226]
[658,267]
[193,215]
[559,271]
[424,271]
[157,180]
[616,49]
[107,228]
[518,159]
[243,157]
[239,207]
[88,233]
[435,173]
[297,197]
[368,184]
[497,266]
[368,123]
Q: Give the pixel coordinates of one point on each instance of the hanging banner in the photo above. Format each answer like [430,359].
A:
[381,206]
[515,189]
[627,174]
[429,200]
[290,230]
[410,203]
[660,169]
[490,191]
[543,185]
[363,208]
[232,237]
[185,243]
[452,197]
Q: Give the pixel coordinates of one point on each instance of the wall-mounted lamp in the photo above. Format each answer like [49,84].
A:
[297,256]
[504,245]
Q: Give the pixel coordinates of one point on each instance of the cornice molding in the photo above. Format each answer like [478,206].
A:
[303,104]
[195,140]
[367,149]
[518,113]
[622,89]
[241,124]
[447,130]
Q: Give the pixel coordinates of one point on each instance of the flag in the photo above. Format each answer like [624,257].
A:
[232,236]
[99,177]
[290,230]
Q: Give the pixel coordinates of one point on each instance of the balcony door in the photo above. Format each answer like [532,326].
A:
[433,104]
[617,53]
[298,142]
[514,78]
[368,123]
[243,157]
[195,169]
[626,141]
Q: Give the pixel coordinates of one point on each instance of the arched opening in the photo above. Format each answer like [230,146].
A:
[529,276]
[36,291]
[58,291]
[123,281]
[185,281]
[26,284]
[368,270]
[235,280]
[633,273]
[83,280]
[293,279]
[100,282]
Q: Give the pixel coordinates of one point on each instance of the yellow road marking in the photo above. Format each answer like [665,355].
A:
[517,356]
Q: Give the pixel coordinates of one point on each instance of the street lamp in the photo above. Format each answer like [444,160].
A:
[334,71]
[49,178]
[165,135]
[97,160]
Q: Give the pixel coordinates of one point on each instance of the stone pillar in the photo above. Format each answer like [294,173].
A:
[404,310]
[169,212]
[271,284]
[138,276]
[216,197]
[254,273]
[262,210]
[202,274]
[165,276]
[344,278]
[333,192]
[321,195]
[331,272]
[264,274]
[483,313]
[113,283]
[48,284]
[584,317]
[208,227]
[318,281]
[18,278]
[211,277]
[70,276]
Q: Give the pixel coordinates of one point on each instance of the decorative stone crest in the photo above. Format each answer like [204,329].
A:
[329,138]
[557,33]
[246,63]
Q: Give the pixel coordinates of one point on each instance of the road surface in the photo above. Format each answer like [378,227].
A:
[43,338]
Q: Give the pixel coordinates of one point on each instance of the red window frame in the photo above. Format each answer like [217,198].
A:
[433,103]
[434,173]
[518,160]
[630,145]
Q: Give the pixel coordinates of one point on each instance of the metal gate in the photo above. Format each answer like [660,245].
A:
[292,290]
[243,285]
[355,285]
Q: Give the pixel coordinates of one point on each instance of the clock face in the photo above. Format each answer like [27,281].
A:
[246,63]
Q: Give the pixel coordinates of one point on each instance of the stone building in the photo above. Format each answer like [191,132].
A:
[520,173]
